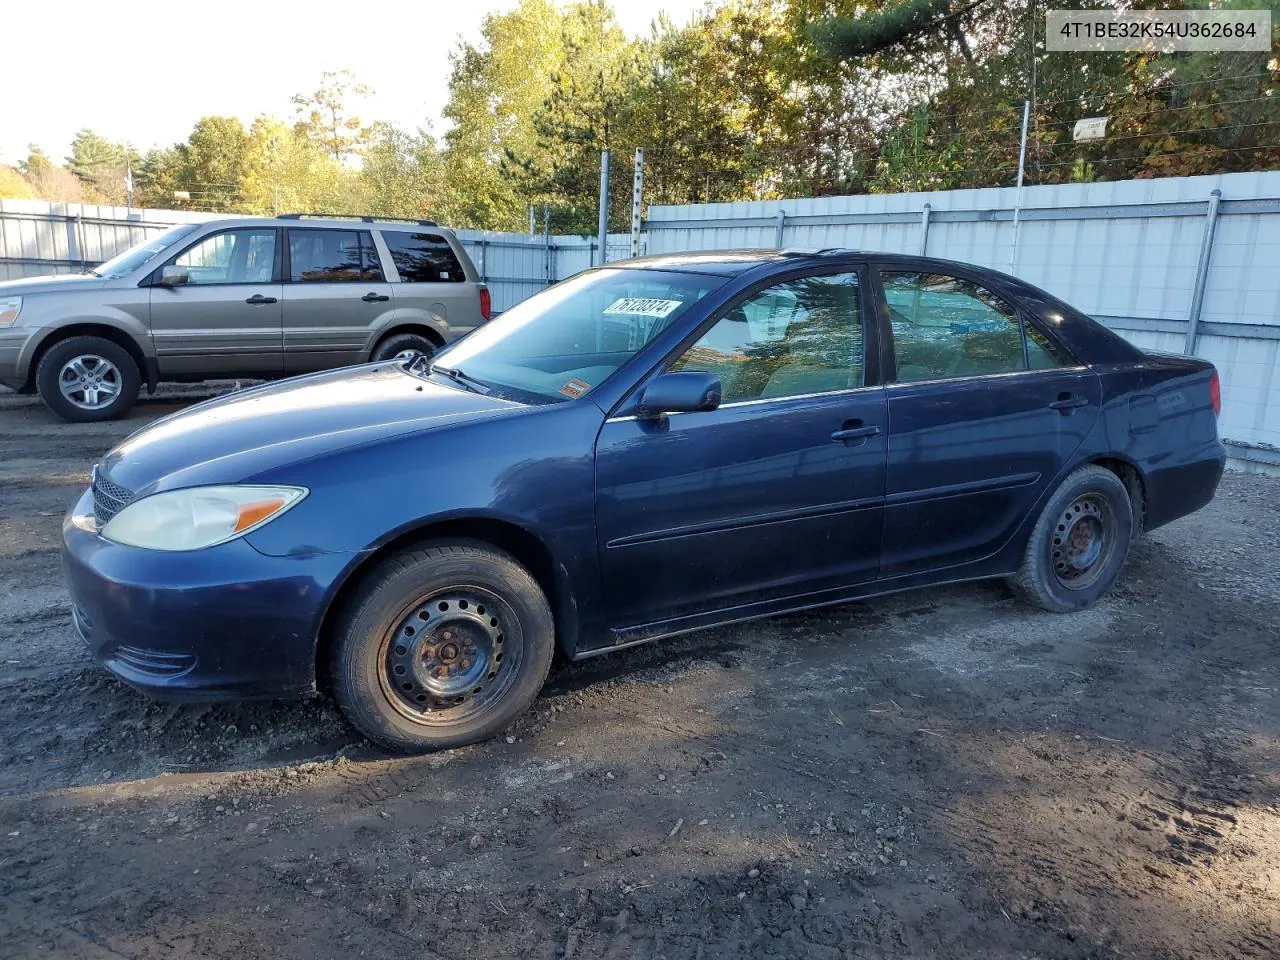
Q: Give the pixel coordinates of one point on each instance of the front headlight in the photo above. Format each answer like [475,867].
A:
[10,307]
[199,517]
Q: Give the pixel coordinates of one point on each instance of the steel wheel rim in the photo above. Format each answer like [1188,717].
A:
[450,655]
[90,382]
[1084,539]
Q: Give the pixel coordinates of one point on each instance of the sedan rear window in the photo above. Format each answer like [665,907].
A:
[423,257]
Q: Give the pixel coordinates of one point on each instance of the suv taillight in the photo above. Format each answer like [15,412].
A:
[486,303]
[1215,394]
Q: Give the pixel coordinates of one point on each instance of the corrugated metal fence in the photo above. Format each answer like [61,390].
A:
[1182,265]
[1187,264]
[37,237]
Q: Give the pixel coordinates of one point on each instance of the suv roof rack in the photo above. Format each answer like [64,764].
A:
[362,217]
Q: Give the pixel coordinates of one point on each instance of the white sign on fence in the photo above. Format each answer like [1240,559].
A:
[1090,128]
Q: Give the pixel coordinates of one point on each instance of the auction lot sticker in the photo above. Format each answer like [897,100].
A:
[642,307]
[1157,31]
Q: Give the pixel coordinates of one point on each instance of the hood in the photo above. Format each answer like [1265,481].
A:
[232,438]
[51,284]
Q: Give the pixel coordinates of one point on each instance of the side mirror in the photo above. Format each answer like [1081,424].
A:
[680,393]
[173,276]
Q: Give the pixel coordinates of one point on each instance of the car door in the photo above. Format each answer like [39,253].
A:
[335,294]
[778,492]
[985,409]
[225,318]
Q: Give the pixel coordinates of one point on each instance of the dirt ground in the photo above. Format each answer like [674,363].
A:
[944,773]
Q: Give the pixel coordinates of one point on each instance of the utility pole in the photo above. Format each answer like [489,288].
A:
[637,194]
[603,225]
[1017,197]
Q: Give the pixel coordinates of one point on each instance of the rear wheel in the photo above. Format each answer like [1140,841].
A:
[1079,543]
[84,379]
[442,646]
[399,342]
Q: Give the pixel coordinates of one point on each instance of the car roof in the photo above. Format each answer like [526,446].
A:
[734,262]
[354,222]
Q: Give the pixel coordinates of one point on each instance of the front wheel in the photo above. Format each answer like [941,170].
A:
[1079,544]
[442,646]
[84,379]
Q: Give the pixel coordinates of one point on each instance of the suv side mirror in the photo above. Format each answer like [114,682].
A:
[684,392]
[173,276]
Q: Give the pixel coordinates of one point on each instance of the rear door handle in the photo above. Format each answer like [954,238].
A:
[259,298]
[1067,402]
[375,298]
[855,430]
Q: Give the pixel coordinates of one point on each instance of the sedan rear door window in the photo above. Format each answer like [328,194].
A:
[945,326]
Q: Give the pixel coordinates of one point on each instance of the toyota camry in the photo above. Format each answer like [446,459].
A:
[648,448]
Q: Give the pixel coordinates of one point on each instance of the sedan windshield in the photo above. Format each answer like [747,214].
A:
[129,261]
[567,340]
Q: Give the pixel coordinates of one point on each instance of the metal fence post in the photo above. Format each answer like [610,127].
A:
[924,229]
[637,194]
[603,227]
[75,250]
[782,225]
[1017,197]
[1202,273]
[546,240]
[484,260]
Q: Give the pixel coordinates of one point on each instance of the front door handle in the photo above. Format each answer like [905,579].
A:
[855,433]
[1067,402]
[375,298]
[259,298]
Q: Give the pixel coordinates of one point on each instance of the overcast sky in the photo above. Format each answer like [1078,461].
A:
[145,71]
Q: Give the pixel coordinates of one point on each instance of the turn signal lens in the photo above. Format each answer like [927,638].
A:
[1215,394]
[9,310]
[486,303]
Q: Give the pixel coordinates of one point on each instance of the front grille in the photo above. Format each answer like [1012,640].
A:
[108,499]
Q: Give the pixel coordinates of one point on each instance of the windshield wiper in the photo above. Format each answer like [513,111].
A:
[465,379]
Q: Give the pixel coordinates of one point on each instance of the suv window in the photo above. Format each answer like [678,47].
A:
[945,326]
[798,337]
[332,256]
[423,257]
[233,256]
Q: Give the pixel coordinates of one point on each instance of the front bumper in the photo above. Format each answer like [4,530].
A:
[13,341]
[226,623]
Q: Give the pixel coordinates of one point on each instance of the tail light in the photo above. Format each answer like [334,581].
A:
[1215,394]
[486,303]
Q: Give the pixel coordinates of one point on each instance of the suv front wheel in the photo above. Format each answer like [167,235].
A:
[84,379]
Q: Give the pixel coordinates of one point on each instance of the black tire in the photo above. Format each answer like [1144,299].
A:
[1079,544]
[386,671]
[114,367]
[388,348]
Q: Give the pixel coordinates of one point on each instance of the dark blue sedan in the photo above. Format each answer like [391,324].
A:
[654,447]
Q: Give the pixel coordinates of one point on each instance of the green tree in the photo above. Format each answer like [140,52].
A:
[402,175]
[495,89]
[326,116]
[99,164]
[213,162]
[580,117]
